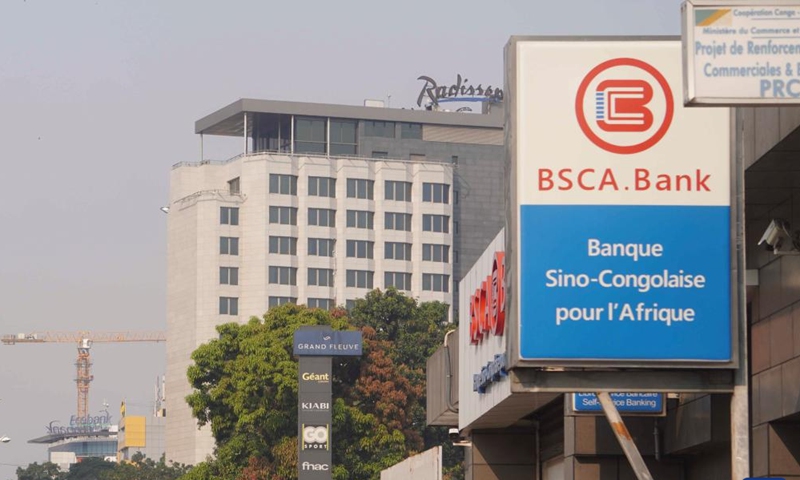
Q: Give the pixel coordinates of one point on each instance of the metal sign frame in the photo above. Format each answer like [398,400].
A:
[580,375]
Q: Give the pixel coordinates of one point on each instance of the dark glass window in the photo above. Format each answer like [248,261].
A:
[322,186]
[373,128]
[397,251]
[411,130]
[229,215]
[283,245]
[228,305]
[359,278]
[399,280]
[343,137]
[360,248]
[436,192]
[229,245]
[309,135]
[228,276]
[283,184]
[435,223]
[360,219]
[321,247]
[360,188]
[322,217]
[433,282]
[398,191]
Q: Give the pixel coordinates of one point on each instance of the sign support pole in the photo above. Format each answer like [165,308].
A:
[624,437]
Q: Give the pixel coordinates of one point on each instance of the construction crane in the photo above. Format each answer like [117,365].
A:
[84,341]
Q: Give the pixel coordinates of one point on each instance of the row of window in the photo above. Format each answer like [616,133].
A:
[359,188]
[324,247]
[323,277]
[365,219]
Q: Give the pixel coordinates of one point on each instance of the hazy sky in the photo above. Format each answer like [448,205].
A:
[98,99]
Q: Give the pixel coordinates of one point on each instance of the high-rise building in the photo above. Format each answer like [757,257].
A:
[325,203]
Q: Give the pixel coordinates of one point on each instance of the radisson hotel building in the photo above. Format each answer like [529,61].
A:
[325,203]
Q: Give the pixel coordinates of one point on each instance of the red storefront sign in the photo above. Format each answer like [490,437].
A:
[487,305]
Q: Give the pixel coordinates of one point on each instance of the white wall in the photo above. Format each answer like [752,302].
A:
[425,466]
[471,358]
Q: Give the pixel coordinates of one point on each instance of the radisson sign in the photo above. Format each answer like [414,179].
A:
[461,91]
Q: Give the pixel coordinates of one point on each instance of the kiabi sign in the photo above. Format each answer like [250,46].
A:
[461,91]
[487,306]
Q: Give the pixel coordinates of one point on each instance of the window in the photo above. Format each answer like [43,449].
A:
[378,154]
[343,137]
[229,245]
[321,277]
[455,227]
[360,219]
[360,248]
[228,276]
[283,275]
[322,186]
[323,303]
[283,215]
[436,223]
[322,217]
[228,305]
[349,304]
[374,128]
[436,192]
[360,188]
[359,278]
[455,256]
[399,191]
[283,184]
[411,130]
[455,197]
[398,221]
[435,253]
[229,215]
[283,245]
[434,282]
[454,159]
[321,247]
[397,251]
[399,280]
[275,301]
[309,135]
[233,186]
[416,157]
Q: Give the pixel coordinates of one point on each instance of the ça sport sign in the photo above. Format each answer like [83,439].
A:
[487,309]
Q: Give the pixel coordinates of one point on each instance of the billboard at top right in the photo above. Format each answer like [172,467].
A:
[741,54]
[618,245]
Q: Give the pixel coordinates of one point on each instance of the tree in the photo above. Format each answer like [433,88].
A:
[35,471]
[245,387]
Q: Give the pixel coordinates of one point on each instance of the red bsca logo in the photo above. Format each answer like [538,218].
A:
[487,306]
[624,106]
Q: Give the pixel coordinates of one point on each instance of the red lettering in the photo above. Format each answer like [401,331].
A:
[563,176]
[487,317]
[545,179]
[580,179]
[499,298]
[608,180]
[700,184]
[642,179]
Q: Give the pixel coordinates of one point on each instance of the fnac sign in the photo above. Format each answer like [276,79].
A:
[487,306]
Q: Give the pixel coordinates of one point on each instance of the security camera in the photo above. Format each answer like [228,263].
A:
[778,239]
[457,439]
[453,434]
[774,235]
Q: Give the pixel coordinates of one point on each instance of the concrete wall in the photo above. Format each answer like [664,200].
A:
[772,183]
[424,466]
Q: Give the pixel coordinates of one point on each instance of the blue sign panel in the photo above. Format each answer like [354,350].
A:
[327,343]
[652,403]
[625,283]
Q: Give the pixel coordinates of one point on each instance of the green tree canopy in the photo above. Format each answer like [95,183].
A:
[245,386]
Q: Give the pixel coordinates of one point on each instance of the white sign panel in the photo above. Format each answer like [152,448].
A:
[623,214]
[742,54]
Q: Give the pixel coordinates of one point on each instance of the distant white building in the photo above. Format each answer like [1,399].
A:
[326,203]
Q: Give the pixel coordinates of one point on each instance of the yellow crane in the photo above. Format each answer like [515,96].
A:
[84,341]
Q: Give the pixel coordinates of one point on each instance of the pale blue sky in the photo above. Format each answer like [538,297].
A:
[98,99]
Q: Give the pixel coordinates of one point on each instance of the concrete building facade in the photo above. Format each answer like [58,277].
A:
[326,203]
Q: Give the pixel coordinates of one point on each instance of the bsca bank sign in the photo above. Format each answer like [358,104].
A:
[621,206]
